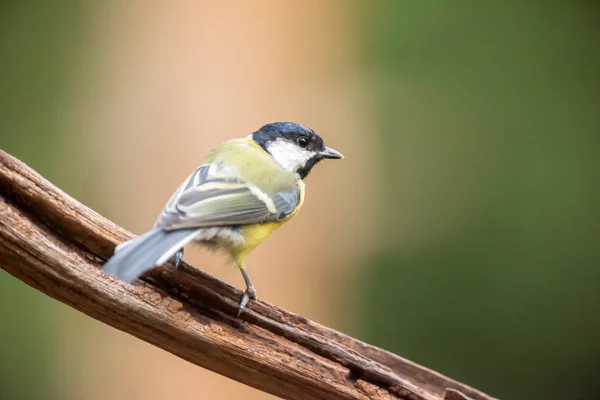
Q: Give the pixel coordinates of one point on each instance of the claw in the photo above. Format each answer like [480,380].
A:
[178,256]
[249,293]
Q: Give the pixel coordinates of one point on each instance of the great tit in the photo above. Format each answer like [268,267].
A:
[244,190]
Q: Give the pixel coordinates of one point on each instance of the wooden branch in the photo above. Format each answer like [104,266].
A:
[57,245]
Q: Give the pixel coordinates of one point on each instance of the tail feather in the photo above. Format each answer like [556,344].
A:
[153,248]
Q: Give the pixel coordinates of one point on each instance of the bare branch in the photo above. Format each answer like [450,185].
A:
[57,245]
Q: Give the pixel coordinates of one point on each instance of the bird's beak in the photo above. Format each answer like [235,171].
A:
[331,153]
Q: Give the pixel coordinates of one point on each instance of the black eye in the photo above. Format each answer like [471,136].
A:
[302,142]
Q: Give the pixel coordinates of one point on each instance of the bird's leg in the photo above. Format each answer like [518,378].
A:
[178,256]
[249,293]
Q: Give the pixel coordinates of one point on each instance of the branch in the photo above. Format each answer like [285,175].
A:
[57,245]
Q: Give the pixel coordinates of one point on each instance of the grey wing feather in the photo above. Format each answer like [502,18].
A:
[286,202]
[153,248]
[214,198]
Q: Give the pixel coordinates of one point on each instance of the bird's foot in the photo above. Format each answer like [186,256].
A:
[249,293]
[177,258]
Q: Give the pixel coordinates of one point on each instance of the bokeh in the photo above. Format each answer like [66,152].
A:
[461,231]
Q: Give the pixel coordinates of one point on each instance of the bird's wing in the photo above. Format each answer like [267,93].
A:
[216,195]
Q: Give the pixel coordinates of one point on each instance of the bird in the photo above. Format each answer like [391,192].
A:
[243,191]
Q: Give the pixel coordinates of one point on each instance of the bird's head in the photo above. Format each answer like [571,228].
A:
[293,146]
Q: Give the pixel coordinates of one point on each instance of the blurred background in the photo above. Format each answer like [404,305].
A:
[461,231]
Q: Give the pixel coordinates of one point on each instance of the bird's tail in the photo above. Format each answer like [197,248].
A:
[153,248]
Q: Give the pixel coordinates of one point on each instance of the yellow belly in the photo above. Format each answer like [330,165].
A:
[253,236]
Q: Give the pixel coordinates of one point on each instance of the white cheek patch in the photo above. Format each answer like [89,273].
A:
[288,155]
